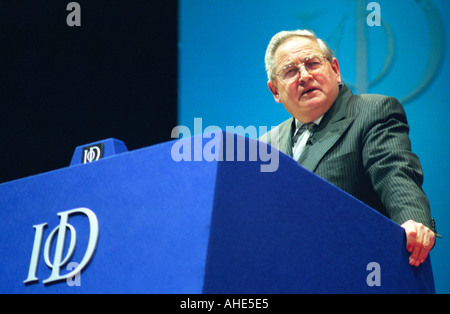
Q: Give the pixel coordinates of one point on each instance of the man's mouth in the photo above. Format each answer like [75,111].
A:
[308,90]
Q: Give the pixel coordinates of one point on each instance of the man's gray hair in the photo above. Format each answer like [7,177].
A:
[281,37]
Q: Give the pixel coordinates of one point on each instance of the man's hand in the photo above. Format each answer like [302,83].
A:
[419,241]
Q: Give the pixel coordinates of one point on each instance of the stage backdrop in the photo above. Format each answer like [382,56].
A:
[403,54]
[62,86]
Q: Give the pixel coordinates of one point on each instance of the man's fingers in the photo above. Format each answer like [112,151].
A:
[411,234]
[427,245]
[419,241]
[418,246]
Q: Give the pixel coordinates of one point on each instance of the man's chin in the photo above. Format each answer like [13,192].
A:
[312,109]
[311,103]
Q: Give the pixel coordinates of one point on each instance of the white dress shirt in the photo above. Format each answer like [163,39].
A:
[299,145]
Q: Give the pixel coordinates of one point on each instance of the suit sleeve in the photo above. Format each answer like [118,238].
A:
[394,170]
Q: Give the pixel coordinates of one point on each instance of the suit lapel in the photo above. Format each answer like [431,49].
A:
[281,137]
[329,131]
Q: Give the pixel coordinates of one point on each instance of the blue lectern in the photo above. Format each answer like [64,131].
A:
[195,215]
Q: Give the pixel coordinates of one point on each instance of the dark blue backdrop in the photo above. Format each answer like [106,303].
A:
[61,86]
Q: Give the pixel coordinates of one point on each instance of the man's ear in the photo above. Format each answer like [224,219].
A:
[335,67]
[274,91]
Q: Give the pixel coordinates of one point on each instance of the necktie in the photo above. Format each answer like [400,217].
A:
[301,138]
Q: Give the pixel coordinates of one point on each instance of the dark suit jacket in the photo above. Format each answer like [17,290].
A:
[362,146]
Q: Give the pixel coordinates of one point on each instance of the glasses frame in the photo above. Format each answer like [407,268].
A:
[299,66]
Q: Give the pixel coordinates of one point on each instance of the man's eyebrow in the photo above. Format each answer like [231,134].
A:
[309,56]
[288,65]
[305,58]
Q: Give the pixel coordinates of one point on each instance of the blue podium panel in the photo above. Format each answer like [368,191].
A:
[197,215]
[153,219]
[290,231]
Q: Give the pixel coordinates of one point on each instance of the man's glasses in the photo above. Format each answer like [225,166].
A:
[292,72]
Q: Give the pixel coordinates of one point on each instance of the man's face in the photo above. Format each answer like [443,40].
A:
[310,95]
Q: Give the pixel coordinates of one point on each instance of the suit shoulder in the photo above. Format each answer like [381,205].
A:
[276,131]
[372,99]
[375,104]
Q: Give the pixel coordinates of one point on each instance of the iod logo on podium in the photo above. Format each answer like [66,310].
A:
[60,233]
[92,153]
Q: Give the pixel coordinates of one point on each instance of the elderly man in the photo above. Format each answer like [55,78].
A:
[359,143]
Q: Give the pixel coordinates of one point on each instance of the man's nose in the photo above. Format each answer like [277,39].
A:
[304,74]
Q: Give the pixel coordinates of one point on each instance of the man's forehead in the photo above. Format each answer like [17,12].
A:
[296,47]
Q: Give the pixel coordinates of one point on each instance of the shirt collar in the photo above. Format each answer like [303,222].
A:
[298,124]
